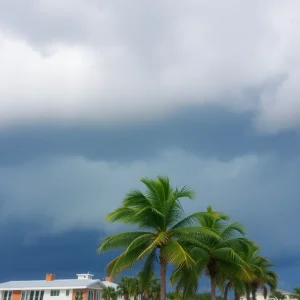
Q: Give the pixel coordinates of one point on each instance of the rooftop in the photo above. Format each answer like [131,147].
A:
[83,281]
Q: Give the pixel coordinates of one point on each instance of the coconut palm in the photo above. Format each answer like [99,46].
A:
[147,283]
[109,293]
[124,288]
[277,295]
[260,276]
[216,256]
[134,288]
[263,277]
[297,292]
[155,291]
[128,287]
[160,217]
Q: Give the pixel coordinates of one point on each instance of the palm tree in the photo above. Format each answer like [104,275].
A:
[260,276]
[277,295]
[217,256]
[109,293]
[147,283]
[128,287]
[124,288]
[263,276]
[158,211]
[134,288]
[155,291]
[297,292]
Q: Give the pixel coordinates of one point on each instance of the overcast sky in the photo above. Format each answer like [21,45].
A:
[96,94]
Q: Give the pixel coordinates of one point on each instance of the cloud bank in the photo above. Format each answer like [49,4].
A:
[81,61]
[62,194]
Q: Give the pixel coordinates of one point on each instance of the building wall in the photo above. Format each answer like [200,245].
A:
[16,295]
[62,295]
[260,296]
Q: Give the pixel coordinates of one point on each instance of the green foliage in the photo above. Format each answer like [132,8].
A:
[109,293]
[297,292]
[147,288]
[261,276]
[78,295]
[204,243]
[201,296]
[277,295]
[158,211]
[217,257]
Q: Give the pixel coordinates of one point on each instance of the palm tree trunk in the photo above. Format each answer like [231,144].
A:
[248,296]
[253,295]
[226,290]
[213,288]
[163,283]
[236,295]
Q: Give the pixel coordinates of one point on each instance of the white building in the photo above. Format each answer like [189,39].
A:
[260,296]
[52,289]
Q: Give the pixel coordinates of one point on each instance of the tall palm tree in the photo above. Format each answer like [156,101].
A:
[128,287]
[147,283]
[297,292]
[215,255]
[155,291]
[261,276]
[160,217]
[277,295]
[134,290]
[124,288]
[109,293]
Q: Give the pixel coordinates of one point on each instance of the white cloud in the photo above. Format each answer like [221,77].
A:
[61,194]
[82,61]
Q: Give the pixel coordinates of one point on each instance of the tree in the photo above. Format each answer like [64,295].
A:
[148,284]
[216,256]
[134,288]
[78,295]
[297,292]
[158,211]
[124,288]
[277,295]
[206,296]
[128,287]
[263,276]
[109,293]
[260,273]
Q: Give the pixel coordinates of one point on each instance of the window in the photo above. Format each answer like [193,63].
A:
[7,295]
[67,292]
[31,295]
[91,295]
[98,295]
[54,293]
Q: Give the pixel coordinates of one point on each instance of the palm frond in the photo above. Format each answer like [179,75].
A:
[175,254]
[232,229]
[159,240]
[193,231]
[121,240]
[125,260]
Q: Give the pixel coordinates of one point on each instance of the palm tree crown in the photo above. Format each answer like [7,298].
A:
[217,256]
[159,213]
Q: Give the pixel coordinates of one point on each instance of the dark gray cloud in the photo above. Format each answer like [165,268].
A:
[206,132]
[96,95]
[79,61]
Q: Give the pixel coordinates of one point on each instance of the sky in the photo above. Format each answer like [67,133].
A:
[95,95]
